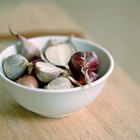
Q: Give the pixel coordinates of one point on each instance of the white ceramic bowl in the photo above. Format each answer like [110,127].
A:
[58,103]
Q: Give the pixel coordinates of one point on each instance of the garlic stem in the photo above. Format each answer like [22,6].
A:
[73,80]
[85,72]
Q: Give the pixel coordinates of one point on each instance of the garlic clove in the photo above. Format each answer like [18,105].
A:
[46,71]
[59,54]
[28,49]
[59,83]
[14,66]
[28,80]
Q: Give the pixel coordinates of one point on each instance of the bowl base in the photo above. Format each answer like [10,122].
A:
[55,116]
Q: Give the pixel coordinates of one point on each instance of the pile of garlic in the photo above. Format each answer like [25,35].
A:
[47,68]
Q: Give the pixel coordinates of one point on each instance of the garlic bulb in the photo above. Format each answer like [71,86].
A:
[28,80]
[59,83]
[14,66]
[46,71]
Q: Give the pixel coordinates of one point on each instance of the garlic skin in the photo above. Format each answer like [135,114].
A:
[14,66]
[28,80]
[59,54]
[59,83]
[46,72]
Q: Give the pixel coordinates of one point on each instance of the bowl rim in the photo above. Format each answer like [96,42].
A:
[46,91]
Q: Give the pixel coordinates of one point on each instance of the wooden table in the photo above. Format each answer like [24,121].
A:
[115,115]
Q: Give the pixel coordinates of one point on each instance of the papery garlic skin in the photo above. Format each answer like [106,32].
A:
[84,66]
[46,71]
[59,83]
[14,66]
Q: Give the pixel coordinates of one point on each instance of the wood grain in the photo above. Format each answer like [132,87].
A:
[9,37]
[114,115]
